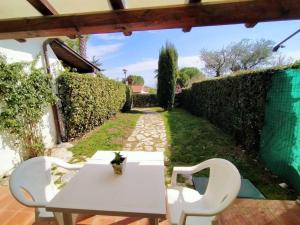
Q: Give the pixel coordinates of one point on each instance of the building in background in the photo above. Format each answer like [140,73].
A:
[140,89]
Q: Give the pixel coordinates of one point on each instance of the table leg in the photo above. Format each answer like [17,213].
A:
[153,221]
[67,218]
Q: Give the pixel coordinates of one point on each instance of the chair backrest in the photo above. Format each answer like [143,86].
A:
[223,185]
[33,176]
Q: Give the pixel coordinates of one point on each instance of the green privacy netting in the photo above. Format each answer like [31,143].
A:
[280,138]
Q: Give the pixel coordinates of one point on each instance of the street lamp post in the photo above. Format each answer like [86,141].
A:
[275,49]
[125,72]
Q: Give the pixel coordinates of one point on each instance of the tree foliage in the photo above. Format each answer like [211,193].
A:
[73,44]
[248,54]
[188,75]
[167,72]
[25,94]
[243,55]
[78,44]
[216,62]
[135,80]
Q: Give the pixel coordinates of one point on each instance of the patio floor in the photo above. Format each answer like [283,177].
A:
[242,212]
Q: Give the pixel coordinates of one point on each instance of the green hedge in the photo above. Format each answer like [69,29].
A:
[144,100]
[235,103]
[88,101]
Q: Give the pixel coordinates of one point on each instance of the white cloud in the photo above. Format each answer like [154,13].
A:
[190,61]
[151,64]
[100,51]
[110,37]
[144,65]
[146,68]
[152,31]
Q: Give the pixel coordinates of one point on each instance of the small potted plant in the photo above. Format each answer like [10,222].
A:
[118,163]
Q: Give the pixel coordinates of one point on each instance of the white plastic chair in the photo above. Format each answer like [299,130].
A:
[187,207]
[34,178]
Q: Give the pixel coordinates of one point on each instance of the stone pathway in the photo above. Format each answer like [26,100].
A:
[149,133]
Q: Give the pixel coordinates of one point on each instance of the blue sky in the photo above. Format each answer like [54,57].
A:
[139,52]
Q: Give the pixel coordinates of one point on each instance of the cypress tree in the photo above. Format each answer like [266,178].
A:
[166,78]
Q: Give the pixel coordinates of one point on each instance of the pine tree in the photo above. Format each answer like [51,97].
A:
[166,79]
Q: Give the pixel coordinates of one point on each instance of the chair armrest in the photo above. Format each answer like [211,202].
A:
[65,165]
[19,196]
[34,204]
[187,170]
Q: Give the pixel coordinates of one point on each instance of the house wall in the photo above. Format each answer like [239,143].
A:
[26,52]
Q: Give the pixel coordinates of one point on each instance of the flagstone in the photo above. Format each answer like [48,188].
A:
[149,133]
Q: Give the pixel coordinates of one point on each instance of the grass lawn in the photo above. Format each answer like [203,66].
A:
[110,136]
[193,140]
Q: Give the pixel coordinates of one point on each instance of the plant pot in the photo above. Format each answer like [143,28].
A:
[119,168]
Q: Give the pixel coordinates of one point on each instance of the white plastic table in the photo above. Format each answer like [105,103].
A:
[138,192]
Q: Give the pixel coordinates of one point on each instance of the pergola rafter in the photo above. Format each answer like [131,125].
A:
[119,5]
[44,7]
[180,16]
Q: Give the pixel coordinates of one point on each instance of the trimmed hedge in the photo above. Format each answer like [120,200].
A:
[144,100]
[235,103]
[88,101]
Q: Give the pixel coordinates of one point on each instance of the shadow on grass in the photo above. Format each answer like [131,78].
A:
[147,110]
[111,135]
[193,140]
[134,111]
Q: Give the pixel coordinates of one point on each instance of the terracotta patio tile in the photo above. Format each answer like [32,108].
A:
[126,221]
[5,202]
[6,216]
[14,205]
[232,216]
[287,217]
[103,220]
[21,218]
[246,203]
[50,222]
[3,193]
[85,219]
[242,212]
[278,204]
[164,222]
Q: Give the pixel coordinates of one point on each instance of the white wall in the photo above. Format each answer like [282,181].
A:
[26,52]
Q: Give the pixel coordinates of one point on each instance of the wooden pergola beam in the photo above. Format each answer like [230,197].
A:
[21,40]
[250,25]
[182,16]
[44,7]
[188,29]
[118,4]
[194,1]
